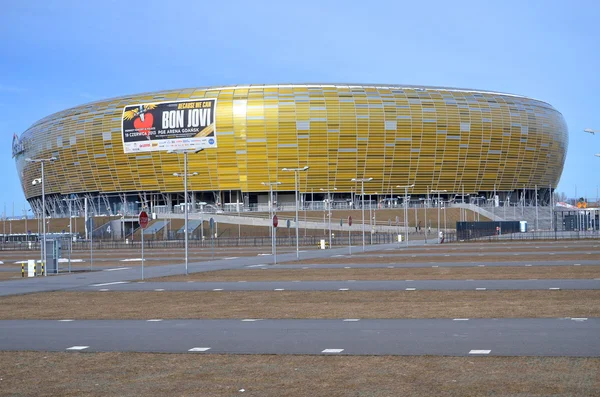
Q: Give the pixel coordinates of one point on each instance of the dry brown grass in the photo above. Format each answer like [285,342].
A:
[428,273]
[143,374]
[301,304]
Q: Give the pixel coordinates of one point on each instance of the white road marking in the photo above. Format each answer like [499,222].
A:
[345,267]
[251,319]
[264,254]
[411,289]
[116,268]
[344,289]
[113,283]
[578,318]
[460,319]
[337,256]
[307,268]
[410,280]
[528,265]
[218,289]
[242,281]
[256,265]
[479,352]
[390,267]
[480,289]
[199,349]
[352,319]
[66,260]
[131,260]
[77,347]
[159,289]
[481,265]
[434,266]
[577,264]
[66,320]
[278,289]
[154,320]
[103,289]
[332,351]
[554,288]
[351,281]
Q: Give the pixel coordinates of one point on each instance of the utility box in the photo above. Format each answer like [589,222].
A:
[53,254]
[523,226]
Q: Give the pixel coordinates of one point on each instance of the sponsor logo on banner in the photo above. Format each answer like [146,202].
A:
[187,124]
[17,146]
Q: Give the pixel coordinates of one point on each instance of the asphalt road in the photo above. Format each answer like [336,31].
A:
[454,337]
[366,264]
[351,285]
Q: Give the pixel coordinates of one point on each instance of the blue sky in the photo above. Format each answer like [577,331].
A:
[59,54]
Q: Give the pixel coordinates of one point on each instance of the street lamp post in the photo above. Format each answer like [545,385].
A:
[406,210]
[270,185]
[42,181]
[362,192]
[438,216]
[296,170]
[185,196]
[329,210]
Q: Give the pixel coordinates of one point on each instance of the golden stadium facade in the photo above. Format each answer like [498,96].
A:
[457,140]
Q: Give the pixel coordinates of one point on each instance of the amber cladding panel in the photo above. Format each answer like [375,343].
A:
[436,138]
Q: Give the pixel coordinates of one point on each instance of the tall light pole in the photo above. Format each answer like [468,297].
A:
[42,181]
[270,185]
[329,209]
[185,196]
[296,170]
[438,217]
[362,192]
[406,210]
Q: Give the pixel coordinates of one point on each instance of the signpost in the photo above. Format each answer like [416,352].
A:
[349,236]
[275,223]
[143,220]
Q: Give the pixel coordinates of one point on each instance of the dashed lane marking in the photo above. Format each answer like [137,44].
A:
[460,319]
[65,320]
[250,320]
[159,289]
[113,283]
[352,319]
[199,349]
[579,318]
[154,320]
[344,289]
[410,289]
[77,347]
[479,352]
[218,289]
[116,269]
[480,289]
[332,351]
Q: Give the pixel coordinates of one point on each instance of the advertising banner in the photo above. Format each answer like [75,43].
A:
[175,125]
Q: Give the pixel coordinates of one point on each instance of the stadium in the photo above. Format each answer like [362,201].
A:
[469,145]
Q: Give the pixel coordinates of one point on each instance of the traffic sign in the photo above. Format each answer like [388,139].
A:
[143,219]
[341,222]
[211,223]
[275,221]
[349,221]
[289,223]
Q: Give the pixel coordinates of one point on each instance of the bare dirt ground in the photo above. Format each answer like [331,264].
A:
[442,273]
[143,374]
[300,304]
